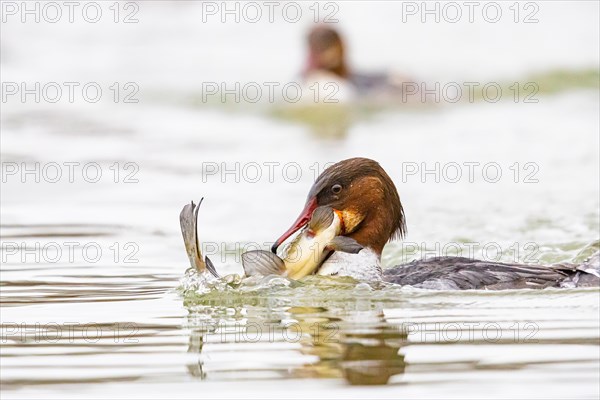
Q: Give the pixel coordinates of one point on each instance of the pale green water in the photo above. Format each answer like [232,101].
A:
[120,324]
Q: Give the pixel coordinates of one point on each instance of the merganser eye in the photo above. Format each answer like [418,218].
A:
[336,188]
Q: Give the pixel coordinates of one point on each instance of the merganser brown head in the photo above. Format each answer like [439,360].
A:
[365,197]
[326,52]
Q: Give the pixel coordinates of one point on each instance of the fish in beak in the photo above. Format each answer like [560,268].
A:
[316,241]
[306,253]
[321,227]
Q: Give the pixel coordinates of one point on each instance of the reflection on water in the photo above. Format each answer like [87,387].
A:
[364,334]
[360,347]
[72,324]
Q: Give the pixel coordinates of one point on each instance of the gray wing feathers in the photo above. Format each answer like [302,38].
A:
[450,273]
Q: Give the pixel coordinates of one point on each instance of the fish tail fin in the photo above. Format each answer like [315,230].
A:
[188,220]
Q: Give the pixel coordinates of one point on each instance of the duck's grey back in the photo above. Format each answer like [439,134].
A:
[460,273]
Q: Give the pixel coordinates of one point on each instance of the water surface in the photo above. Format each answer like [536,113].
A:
[129,320]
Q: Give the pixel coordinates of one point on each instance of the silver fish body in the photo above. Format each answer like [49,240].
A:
[304,255]
[307,251]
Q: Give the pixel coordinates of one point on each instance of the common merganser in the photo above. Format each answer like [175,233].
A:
[327,62]
[366,199]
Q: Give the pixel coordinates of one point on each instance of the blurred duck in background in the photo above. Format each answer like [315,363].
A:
[337,95]
[327,63]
